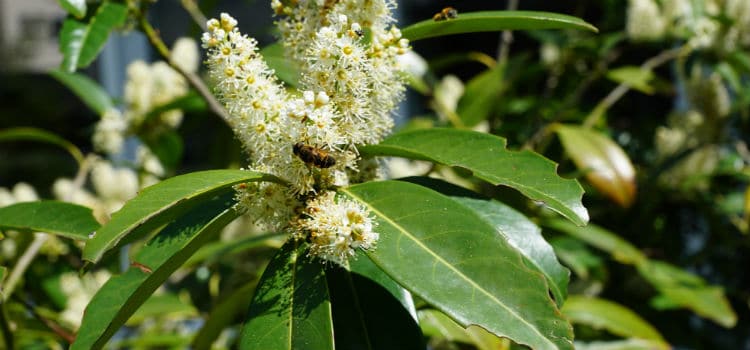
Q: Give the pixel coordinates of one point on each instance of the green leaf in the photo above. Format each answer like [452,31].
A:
[615,318]
[285,68]
[607,166]
[627,344]
[576,255]
[291,307]
[527,238]
[363,266]
[485,155]
[59,218]
[444,253]
[687,290]
[91,93]
[119,298]
[437,325]
[164,305]
[492,21]
[620,249]
[39,135]
[481,95]
[222,315]
[222,249]
[163,202]
[634,76]
[367,316]
[76,8]
[81,42]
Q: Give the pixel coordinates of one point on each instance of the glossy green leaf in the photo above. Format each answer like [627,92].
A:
[39,135]
[606,165]
[283,66]
[81,42]
[367,316]
[687,290]
[59,218]
[222,249]
[627,344]
[119,298]
[162,305]
[620,249]
[91,93]
[634,76]
[222,315]
[291,307]
[435,324]
[163,202]
[492,21]
[76,8]
[447,255]
[485,155]
[613,317]
[481,95]
[363,266]
[527,238]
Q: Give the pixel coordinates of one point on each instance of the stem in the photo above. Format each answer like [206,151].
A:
[192,79]
[506,37]
[620,91]
[195,13]
[56,328]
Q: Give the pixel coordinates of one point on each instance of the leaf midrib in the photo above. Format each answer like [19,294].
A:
[441,260]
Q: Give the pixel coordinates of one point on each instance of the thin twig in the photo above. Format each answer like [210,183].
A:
[192,79]
[195,13]
[506,37]
[52,325]
[618,92]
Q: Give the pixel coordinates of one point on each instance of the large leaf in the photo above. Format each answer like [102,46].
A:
[367,316]
[613,317]
[435,324]
[59,218]
[91,93]
[482,93]
[527,238]
[121,296]
[291,307]
[163,202]
[447,255]
[81,42]
[491,21]
[39,135]
[365,267]
[607,166]
[485,155]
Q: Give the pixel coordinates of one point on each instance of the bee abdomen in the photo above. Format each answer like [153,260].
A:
[313,155]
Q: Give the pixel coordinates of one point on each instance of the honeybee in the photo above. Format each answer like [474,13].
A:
[313,155]
[445,14]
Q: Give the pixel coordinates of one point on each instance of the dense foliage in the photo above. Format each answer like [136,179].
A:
[322,223]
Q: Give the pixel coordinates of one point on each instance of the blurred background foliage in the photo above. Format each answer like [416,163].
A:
[651,114]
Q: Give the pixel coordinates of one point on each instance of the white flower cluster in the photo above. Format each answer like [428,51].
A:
[112,188]
[724,25]
[148,86]
[78,291]
[336,227]
[350,83]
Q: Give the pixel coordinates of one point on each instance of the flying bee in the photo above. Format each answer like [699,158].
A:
[445,14]
[313,155]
